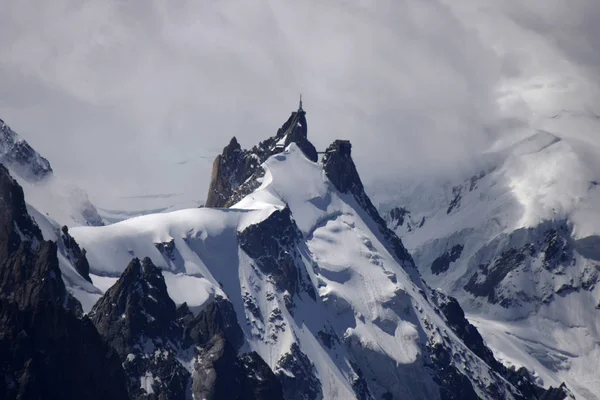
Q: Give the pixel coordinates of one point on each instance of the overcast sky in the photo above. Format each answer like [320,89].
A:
[129,97]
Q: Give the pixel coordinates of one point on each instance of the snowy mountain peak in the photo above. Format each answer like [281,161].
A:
[320,289]
[516,244]
[234,167]
[18,155]
[297,290]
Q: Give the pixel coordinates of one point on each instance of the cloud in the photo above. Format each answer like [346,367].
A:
[128,98]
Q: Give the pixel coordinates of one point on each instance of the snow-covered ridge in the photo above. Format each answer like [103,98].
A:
[19,156]
[515,243]
[325,304]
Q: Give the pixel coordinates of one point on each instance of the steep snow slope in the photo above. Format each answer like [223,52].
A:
[318,294]
[517,245]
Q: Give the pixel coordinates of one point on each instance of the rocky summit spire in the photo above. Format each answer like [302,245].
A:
[234,167]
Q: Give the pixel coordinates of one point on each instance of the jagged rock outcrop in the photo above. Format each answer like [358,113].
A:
[546,251]
[455,317]
[137,318]
[442,263]
[31,276]
[20,156]
[271,243]
[46,351]
[235,171]
[230,169]
[75,254]
[167,352]
[217,318]
[29,272]
[341,171]
[295,130]
[15,223]
[298,376]
[136,305]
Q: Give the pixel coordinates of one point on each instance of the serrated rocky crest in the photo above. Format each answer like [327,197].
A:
[235,171]
[46,350]
[169,352]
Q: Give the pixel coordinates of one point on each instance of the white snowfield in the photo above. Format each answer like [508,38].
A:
[538,182]
[362,293]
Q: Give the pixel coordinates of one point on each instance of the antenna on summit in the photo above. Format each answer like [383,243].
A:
[300,106]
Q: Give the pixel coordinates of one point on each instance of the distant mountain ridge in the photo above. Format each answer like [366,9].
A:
[291,286]
[516,244]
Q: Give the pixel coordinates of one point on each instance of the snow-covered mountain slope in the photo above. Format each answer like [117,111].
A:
[517,244]
[321,290]
[20,157]
[45,191]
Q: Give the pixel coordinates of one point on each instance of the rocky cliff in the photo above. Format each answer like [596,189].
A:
[46,349]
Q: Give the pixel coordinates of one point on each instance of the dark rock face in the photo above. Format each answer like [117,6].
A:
[21,157]
[559,393]
[359,384]
[401,217]
[46,351]
[136,305]
[557,249]
[230,169]
[453,385]
[549,242]
[442,263]
[167,249]
[485,282]
[397,215]
[271,244]
[258,381]
[156,341]
[75,254]
[15,222]
[30,277]
[455,317]
[236,171]
[214,375]
[302,384]
[137,317]
[341,171]
[521,379]
[220,375]
[295,130]
[29,272]
[218,318]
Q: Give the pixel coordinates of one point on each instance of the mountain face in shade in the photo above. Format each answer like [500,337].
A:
[169,352]
[46,349]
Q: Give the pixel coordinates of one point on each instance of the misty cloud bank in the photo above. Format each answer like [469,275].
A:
[130,98]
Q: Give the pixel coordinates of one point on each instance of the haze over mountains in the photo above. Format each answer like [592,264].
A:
[297,290]
[420,88]
[158,232]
